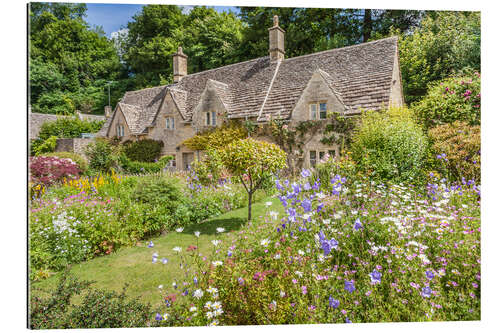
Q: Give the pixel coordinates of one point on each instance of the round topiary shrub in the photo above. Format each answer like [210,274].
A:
[389,145]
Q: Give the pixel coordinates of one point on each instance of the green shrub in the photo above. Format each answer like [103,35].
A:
[47,146]
[78,159]
[98,308]
[136,167]
[100,155]
[68,127]
[208,171]
[461,144]
[456,98]
[328,169]
[146,150]
[158,191]
[389,145]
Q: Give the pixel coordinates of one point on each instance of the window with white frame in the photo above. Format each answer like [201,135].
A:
[210,118]
[120,130]
[170,123]
[317,111]
[312,158]
[317,155]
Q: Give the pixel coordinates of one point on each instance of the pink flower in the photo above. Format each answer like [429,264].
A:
[304,290]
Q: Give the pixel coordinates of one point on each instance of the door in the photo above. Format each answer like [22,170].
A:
[187,159]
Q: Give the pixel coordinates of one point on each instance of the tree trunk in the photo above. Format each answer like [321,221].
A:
[367,25]
[249,206]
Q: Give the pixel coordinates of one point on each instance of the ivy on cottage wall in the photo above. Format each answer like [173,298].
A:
[336,129]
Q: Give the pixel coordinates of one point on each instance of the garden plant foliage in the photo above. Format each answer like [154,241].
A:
[389,145]
[367,252]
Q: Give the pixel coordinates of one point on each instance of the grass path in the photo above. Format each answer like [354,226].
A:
[133,265]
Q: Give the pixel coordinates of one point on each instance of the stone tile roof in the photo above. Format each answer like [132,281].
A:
[360,76]
[90,117]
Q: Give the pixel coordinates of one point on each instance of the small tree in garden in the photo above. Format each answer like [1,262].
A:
[253,162]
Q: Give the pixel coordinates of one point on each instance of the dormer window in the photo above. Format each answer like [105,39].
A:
[210,118]
[317,111]
[120,131]
[170,123]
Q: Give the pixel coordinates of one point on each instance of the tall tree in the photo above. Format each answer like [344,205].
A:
[310,30]
[69,62]
[209,38]
[151,42]
[444,44]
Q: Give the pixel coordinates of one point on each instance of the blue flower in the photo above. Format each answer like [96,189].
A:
[357,224]
[375,276]
[334,303]
[278,185]
[426,292]
[305,173]
[347,320]
[349,286]
[195,280]
[306,204]
[229,253]
[151,244]
[296,188]
[307,186]
[316,186]
[429,275]
[164,261]
[158,317]
[167,302]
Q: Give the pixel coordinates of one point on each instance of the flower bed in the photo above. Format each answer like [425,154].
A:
[367,253]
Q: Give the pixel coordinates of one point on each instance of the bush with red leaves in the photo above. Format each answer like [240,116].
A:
[48,170]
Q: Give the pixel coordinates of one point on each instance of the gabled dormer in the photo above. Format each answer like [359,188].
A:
[319,98]
[212,107]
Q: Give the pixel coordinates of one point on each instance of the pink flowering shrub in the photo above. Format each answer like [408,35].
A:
[456,98]
[49,170]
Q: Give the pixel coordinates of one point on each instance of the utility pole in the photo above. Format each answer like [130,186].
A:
[109,92]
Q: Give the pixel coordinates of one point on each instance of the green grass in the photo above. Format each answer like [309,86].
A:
[133,265]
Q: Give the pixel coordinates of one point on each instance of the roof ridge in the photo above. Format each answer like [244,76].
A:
[214,69]
[342,48]
[269,90]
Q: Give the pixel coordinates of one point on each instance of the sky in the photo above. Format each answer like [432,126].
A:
[114,17]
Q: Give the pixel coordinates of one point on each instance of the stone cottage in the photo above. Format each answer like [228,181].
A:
[344,80]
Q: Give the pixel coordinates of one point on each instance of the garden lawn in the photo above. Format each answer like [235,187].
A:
[133,266]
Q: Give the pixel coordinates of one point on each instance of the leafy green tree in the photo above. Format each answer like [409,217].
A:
[211,39]
[311,30]
[68,60]
[253,162]
[150,43]
[445,43]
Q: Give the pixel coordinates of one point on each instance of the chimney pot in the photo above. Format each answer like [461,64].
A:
[180,65]
[276,41]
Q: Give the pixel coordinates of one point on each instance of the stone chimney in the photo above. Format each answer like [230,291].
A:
[107,111]
[180,65]
[276,41]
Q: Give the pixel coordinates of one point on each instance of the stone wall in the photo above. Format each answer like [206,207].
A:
[36,121]
[74,145]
